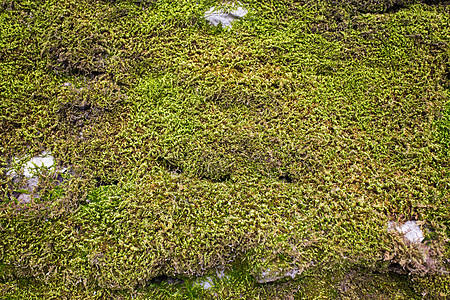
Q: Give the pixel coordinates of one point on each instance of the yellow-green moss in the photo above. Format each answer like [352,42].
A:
[290,140]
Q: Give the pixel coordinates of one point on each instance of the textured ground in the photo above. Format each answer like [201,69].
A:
[285,143]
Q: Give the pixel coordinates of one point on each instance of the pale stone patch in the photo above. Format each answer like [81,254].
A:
[208,282]
[29,165]
[219,16]
[32,183]
[410,231]
[270,275]
[24,198]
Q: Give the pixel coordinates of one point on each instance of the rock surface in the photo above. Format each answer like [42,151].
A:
[410,230]
[29,166]
[219,16]
[208,281]
[270,275]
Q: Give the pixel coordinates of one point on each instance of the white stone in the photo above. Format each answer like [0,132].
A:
[208,282]
[270,275]
[32,183]
[24,198]
[220,16]
[44,160]
[292,273]
[410,231]
[221,274]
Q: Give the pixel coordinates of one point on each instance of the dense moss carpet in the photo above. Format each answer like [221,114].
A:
[285,143]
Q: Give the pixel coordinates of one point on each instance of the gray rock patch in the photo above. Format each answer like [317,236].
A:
[30,168]
[32,183]
[208,282]
[30,165]
[272,275]
[410,230]
[24,198]
[217,16]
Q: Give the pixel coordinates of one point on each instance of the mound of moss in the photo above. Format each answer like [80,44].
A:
[284,145]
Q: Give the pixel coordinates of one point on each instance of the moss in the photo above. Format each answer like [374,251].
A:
[289,141]
[355,283]
[433,287]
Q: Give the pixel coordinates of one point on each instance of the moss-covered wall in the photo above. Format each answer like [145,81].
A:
[285,143]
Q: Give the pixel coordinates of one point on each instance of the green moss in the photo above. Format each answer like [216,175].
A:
[289,141]
[355,283]
[443,128]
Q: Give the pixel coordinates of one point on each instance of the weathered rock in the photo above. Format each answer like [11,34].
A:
[23,172]
[410,230]
[29,166]
[32,183]
[24,198]
[271,275]
[220,16]
[419,258]
[208,281]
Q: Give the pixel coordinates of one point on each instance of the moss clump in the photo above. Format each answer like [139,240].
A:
[376,6]
[287,142]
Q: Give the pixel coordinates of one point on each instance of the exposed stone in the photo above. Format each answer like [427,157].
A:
[23,172]
[24,198]
[29,166]
[208,281]
[270,275]
[410,230]
[220,16]
[32,183]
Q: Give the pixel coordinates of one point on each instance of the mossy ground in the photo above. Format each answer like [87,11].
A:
[290,140]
